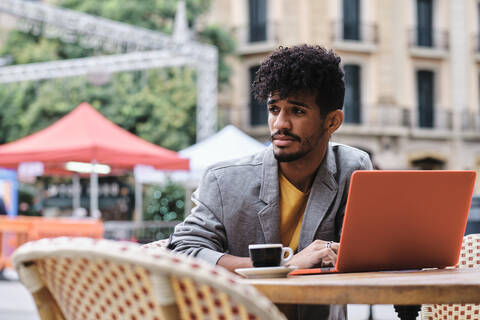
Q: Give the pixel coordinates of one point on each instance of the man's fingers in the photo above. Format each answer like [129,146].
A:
[330,259]
[319,252]
[319,255]
[333,256]
[320,244]
[334,246]
[325,244]
[327,263]
[326,256]
[322,253]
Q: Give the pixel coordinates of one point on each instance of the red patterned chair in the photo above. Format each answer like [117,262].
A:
[469,258]
[162,244]
[82,278]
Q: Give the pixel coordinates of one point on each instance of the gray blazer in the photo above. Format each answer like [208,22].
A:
[237,204]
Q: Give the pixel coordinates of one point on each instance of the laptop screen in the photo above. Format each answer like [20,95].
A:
[404,219]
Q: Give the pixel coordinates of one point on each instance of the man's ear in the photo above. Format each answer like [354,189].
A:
[333,120]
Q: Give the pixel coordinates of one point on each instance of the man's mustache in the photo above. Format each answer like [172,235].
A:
[285,133]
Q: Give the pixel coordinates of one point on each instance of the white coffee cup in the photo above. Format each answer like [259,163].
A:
[269,255]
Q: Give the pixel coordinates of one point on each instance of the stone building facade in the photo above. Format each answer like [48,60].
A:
[412,72]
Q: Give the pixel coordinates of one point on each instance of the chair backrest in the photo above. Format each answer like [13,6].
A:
[83,278]
[159,244]
[469,258]
[470,253]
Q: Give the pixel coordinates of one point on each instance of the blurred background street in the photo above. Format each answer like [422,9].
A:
[15,302]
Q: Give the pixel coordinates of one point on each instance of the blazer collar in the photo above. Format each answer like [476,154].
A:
[322,194]
[269,215]
[327,170]
[269,184]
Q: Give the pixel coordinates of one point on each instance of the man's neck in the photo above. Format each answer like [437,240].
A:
[301,172]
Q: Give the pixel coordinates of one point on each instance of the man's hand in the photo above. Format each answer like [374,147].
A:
[319,252]
[231,263]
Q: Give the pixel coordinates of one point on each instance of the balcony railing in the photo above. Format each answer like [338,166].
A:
[428,38]
[363,32]
[470,121]
[395,117]
[443,119]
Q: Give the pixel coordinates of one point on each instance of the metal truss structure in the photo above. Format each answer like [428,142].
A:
[139,49]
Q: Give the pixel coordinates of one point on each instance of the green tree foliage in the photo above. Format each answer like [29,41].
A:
[150,14]
[165,202]
[226,45]
[28,48]
[163,114]
[157,105]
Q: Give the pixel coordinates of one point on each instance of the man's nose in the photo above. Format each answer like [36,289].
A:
[282,121]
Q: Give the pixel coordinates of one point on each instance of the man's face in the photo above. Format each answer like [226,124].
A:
[296,126]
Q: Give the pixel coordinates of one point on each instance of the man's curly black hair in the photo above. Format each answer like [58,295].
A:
[303,68]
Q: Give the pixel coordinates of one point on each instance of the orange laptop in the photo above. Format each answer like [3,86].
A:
[397,220]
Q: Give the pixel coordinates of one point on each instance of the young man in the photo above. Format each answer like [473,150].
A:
[295,191]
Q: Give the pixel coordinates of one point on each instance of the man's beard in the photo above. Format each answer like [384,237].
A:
[305,147]
[290,156]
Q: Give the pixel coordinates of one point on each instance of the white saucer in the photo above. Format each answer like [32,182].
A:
[266,272]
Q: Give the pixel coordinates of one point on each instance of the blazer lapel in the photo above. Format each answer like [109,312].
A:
[323,192]
[269,216]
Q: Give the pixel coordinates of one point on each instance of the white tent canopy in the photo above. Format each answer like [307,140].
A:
[227,144]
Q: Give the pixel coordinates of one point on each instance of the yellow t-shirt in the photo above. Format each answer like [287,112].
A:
[292,208]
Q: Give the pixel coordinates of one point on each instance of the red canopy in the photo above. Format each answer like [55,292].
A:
[85,135]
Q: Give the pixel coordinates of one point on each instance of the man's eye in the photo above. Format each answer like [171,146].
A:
[272,109]
[298,111]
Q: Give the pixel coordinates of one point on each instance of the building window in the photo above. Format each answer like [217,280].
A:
[351,19]
[258,110]
[257,12]
[425,23]
[425,94]
[352,105]
[477,42]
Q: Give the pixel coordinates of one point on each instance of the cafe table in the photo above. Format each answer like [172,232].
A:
[406,290]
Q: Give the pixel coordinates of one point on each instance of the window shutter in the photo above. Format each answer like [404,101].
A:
[353,98]
[351,19]
[257,10]
[425,23]
[425,93]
